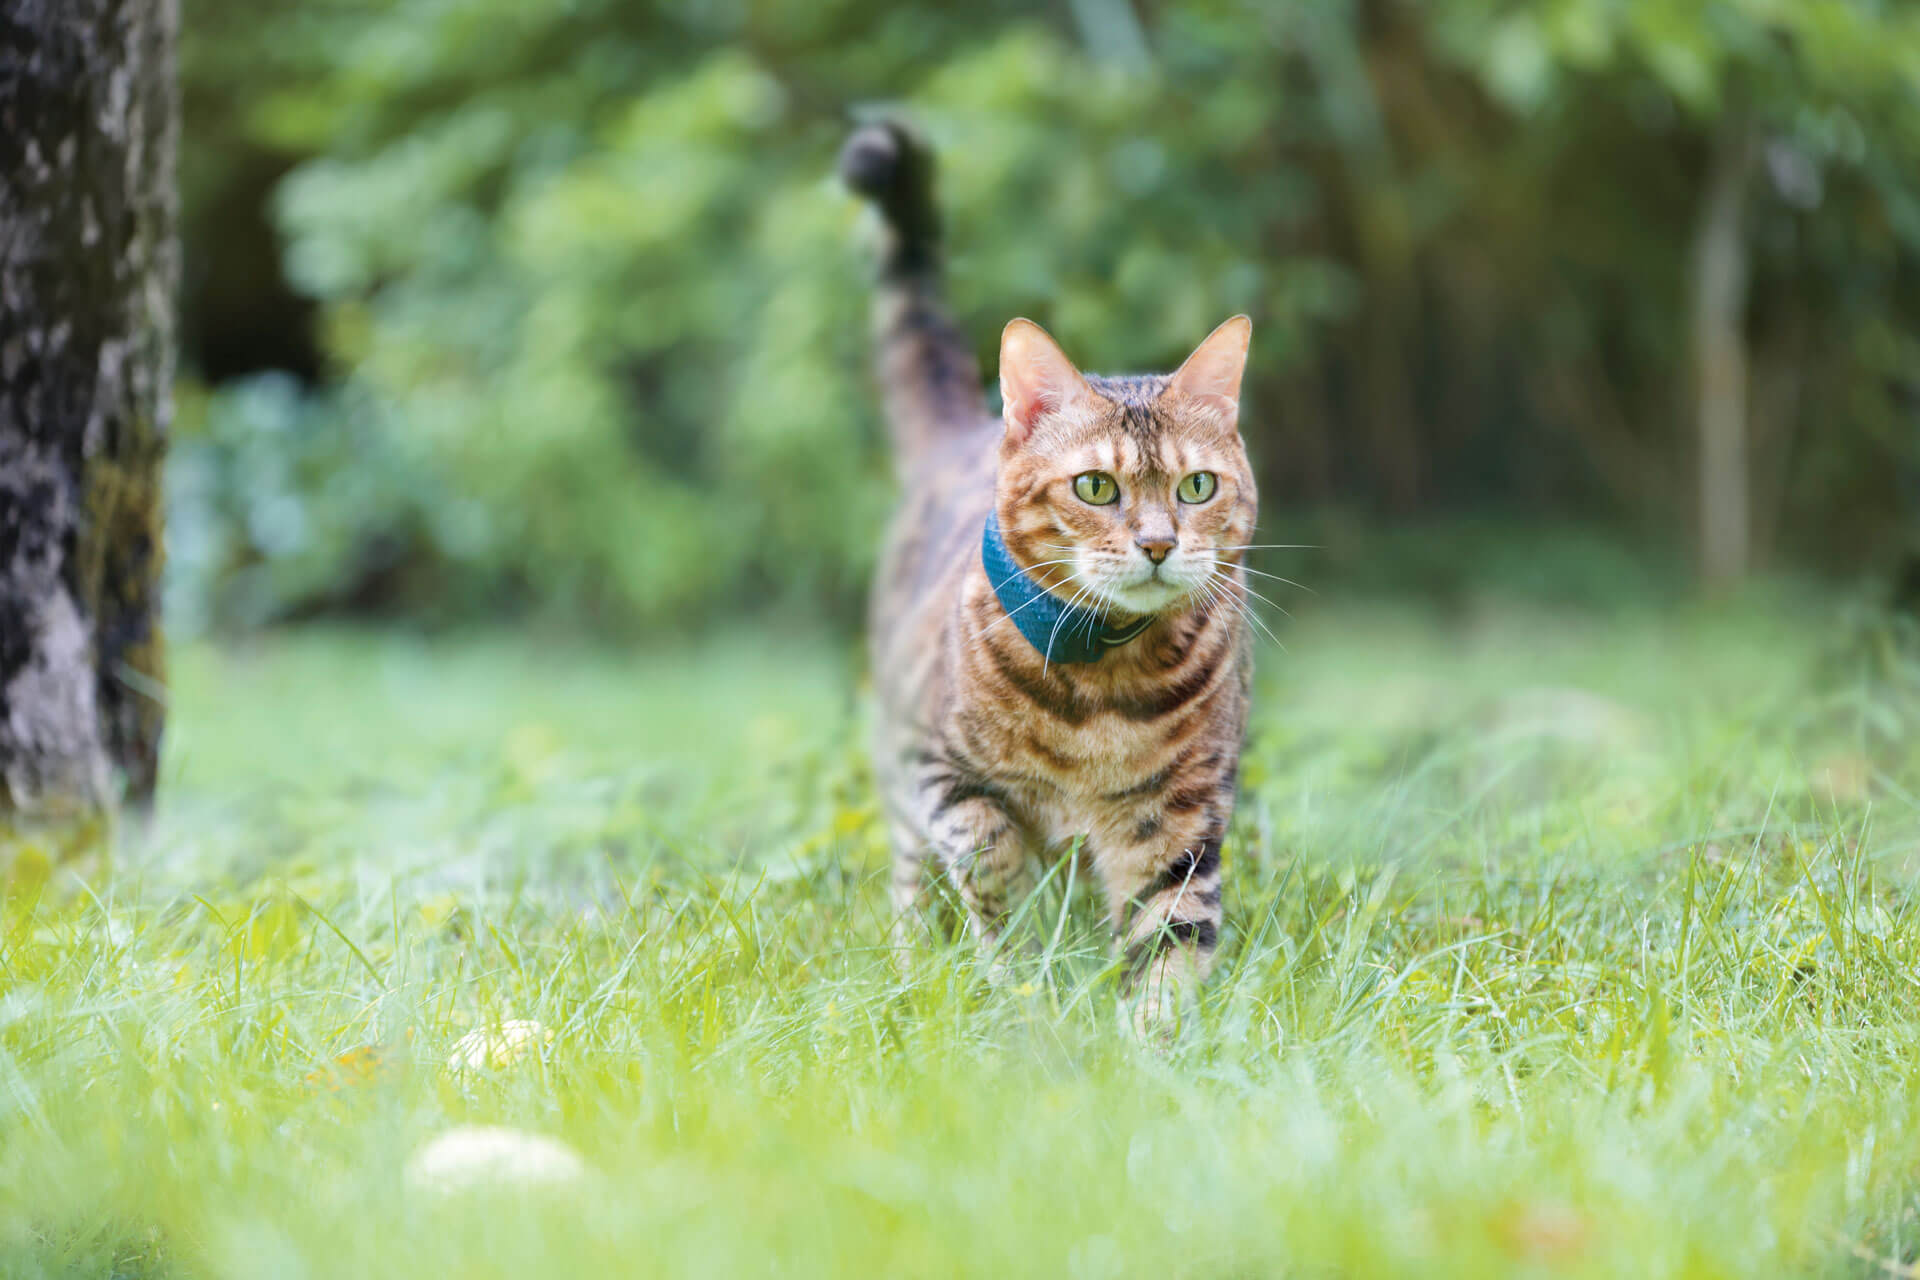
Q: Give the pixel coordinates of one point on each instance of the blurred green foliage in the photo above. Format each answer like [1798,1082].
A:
[591,325]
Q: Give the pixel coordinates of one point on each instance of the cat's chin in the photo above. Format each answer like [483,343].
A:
[1147,597]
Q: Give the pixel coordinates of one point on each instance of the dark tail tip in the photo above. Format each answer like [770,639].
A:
[891,166]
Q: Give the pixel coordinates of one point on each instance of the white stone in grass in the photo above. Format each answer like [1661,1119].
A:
[482,1157]
[495,1048]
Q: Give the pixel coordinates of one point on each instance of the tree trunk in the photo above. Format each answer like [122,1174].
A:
[1720,358]
[88,267]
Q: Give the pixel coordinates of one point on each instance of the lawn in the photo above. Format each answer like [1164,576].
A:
[1560,943]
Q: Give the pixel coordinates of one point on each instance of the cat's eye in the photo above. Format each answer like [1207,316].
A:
[1198,486]
[1095,487]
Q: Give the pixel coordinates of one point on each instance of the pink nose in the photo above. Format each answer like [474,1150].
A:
[1155,546]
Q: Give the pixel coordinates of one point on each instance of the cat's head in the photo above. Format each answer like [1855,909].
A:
[1132,494]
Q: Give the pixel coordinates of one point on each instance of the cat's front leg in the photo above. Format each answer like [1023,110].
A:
[972,828]
[1162,873]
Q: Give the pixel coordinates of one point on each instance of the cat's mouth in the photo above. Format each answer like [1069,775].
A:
[1153,592]
[1136,586]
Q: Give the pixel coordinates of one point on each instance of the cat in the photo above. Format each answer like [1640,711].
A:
[1058,629]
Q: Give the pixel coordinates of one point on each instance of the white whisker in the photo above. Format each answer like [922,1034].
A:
[1028,569]
[1046,656]
[1220,583]
[1276,577]
[1263,599]
[1072,577]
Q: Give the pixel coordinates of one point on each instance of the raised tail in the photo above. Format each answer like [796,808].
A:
[929,381]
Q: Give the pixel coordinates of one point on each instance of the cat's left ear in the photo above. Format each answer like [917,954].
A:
[1211,375]
[1036,378]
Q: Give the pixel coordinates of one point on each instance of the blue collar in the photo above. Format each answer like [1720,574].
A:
[1060,633]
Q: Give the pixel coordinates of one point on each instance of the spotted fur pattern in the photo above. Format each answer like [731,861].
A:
[991,759]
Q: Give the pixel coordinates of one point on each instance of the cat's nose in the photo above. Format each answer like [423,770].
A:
[1155,545]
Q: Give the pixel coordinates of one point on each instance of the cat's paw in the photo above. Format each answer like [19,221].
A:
[1152,1020]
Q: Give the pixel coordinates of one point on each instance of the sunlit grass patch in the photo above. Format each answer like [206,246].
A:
[1557,946]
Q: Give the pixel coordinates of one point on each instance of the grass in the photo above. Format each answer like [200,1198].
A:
[1561,944]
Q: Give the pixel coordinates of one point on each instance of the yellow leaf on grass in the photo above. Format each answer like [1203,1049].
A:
[363,1064]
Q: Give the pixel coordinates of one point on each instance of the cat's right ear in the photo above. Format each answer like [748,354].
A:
[1036,378]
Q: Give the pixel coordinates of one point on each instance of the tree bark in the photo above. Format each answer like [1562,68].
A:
[88,270]
[1720,358]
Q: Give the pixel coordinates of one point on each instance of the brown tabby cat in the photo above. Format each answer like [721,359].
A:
[1113,513]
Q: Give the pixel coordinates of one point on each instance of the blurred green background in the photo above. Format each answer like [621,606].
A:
[1572,912]
[554,311]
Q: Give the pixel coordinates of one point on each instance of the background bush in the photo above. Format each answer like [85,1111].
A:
[568,316]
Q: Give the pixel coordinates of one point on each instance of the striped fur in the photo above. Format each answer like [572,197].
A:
[990,759]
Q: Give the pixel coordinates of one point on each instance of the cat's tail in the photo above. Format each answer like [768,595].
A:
[929,380]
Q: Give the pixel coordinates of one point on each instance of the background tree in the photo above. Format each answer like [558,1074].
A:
[87,274]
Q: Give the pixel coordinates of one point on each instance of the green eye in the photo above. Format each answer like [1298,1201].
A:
[1198,486]
[1096,487]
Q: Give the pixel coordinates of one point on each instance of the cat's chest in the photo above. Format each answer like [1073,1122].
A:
[1058,801]
[1087,760]
[1100,754]
[1072,743]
